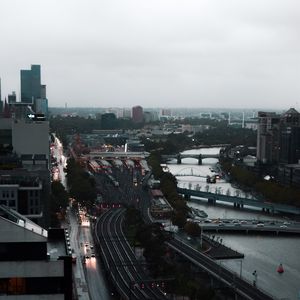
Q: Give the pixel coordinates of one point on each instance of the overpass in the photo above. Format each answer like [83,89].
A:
[240,202]
[180,156]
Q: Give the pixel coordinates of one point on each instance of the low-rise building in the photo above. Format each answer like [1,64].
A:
[160,207]
[25,191]
[289,174]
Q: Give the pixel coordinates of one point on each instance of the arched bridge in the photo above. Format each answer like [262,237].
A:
[189,171]
[240,202]
[200,157]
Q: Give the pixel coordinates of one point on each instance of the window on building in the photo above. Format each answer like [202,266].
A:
[12,203]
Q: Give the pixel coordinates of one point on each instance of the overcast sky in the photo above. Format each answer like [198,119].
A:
[155,53]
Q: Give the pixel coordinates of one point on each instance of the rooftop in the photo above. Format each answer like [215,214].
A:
[21,221]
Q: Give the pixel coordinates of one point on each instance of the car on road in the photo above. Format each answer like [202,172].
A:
[74,258]
[260,225]
[283,226]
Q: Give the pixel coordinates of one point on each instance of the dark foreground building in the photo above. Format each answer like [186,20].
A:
[34,263]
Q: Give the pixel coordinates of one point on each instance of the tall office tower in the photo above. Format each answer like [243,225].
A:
[268,137]
[41,106]
[31,84]
[1,102]
[43,91]
[137,114]
[12,98]
[290,137]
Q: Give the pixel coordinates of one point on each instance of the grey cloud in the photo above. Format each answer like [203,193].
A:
[125,52]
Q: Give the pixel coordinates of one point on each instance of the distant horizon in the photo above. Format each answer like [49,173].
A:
[175,108]
[156,53]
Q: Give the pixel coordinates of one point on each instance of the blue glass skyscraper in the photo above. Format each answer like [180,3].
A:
[31,84]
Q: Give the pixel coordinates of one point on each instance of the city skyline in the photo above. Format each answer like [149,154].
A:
[158,54]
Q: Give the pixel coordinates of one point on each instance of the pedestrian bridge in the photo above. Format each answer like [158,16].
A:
[190,171]
[239,202]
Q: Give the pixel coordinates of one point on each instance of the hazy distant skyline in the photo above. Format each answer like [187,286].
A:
[159,53]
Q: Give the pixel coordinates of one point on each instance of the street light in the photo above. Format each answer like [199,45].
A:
[241,268]
[255,277]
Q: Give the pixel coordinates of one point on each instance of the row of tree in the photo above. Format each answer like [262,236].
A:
[269,189]
[59,200]
[81,185]
[168,184]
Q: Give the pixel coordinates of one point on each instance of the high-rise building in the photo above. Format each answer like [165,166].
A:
[41,106]
[268,137]
[289,137]
[31,84]
[278,137]
[43,91]
[137,114]
[12,98]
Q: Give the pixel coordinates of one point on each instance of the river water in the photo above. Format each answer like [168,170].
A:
[262,253]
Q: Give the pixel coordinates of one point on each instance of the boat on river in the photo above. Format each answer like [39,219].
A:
[195,212]
[280,269]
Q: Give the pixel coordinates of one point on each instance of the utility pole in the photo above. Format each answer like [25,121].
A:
[241,268]
[255,277]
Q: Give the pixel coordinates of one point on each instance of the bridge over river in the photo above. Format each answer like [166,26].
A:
[200,156]
[253,227]
[239,202]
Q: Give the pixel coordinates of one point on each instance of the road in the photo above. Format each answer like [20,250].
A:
[262,226]
[78,270]
[89,278]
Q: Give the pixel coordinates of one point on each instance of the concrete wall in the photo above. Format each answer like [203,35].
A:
[31,137]
[11,232]
[11,269]
[33,297]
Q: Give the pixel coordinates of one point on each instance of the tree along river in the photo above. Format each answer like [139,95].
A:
[263,254]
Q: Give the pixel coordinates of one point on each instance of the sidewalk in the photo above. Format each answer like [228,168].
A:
[217,250]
